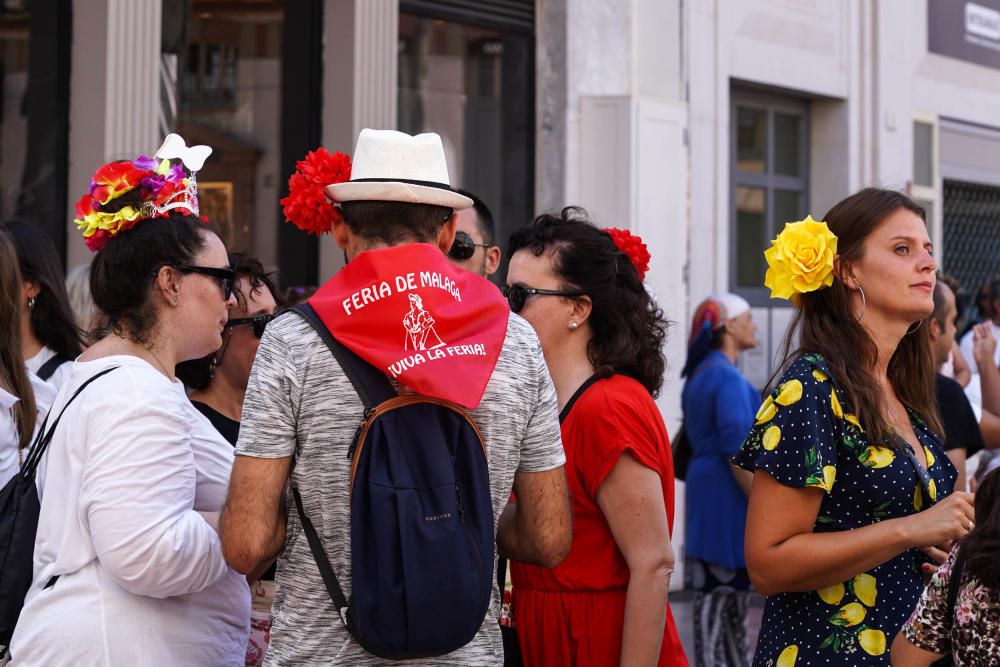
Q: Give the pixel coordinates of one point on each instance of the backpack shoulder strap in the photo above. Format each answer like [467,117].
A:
[333,588]
[372,385]
[43,437]
[49,367]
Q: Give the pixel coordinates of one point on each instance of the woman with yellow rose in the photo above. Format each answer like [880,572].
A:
[845,451]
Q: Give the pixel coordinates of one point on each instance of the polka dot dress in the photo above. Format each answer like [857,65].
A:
[805,435]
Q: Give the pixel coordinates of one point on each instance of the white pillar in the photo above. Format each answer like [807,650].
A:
[359,83]
[114,93]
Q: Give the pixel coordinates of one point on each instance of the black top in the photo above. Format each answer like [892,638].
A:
[229,428]
[961,429]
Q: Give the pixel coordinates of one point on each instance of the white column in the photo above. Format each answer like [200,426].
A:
[359,83]
[114,92]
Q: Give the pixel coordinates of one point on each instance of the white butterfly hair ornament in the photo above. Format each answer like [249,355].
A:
[175,148]
[193,158]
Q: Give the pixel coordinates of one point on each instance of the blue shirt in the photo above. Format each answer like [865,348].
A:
[719,407]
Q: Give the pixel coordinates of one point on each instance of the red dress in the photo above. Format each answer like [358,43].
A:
[573,614]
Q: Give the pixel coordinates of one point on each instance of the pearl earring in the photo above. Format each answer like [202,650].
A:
[573,325]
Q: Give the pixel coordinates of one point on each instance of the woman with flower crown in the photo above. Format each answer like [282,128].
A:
[852,497]
[602,335]
[128,565]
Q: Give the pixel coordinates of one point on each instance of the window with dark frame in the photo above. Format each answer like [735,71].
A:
[769,182]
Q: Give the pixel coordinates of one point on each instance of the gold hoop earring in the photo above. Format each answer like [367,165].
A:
[919,324]
[864,304]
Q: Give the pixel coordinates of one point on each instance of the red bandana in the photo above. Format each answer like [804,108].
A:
[409,312]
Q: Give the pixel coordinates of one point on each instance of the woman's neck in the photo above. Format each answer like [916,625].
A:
[886,334]
[223,396]
[30,345]
[570,368]
[160,354]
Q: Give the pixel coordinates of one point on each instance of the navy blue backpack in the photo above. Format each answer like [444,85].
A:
[422,531]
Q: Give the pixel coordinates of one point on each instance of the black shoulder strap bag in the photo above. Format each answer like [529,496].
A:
[19,509]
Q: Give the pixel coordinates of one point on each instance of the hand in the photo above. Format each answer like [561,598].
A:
[949,519]
[939,554]
[984,345]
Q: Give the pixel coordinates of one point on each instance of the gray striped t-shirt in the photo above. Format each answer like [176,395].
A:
[299,402]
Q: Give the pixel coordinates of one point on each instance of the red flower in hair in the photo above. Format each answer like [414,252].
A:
[306,205]
[114,179]
[633,247]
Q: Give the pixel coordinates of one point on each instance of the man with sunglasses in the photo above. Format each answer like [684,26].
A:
[475,235]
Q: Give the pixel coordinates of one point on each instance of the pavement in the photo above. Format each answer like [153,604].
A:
[682,606]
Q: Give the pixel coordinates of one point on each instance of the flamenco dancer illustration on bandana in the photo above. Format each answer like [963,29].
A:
[419,325]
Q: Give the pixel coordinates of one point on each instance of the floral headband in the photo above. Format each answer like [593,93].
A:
[162,188]
[633,247]
[307,206]
[800,259]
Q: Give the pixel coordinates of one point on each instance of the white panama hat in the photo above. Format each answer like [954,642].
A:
[394,166]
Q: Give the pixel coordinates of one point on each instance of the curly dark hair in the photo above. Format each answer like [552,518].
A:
[628,326]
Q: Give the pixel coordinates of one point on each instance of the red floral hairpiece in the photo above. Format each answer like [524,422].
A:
[307,206]
[633,247]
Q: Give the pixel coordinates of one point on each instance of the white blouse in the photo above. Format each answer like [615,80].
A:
[9,437]
[141,580]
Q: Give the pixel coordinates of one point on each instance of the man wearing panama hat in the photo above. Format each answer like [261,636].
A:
[396,220]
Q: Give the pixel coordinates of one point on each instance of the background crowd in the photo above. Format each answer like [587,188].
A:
[855,491]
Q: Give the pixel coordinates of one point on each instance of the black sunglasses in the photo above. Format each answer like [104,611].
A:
[464,247]
[518,294]
[259,323]
[226,277]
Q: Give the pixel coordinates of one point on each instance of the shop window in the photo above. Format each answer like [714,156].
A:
[769,182]
[473,85]
[228,64]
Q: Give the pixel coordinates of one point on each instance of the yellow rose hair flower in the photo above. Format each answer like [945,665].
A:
[800,259]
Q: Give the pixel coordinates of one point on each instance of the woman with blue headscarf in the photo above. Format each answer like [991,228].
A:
[719,406]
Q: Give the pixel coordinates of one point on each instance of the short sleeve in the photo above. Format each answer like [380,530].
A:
[794,434]
[961,428]
[613,424]
[541,447]
[268,423]
[929,627]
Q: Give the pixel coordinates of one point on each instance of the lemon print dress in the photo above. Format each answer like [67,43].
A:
[806,435]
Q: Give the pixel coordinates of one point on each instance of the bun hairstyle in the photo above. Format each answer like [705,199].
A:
[628,327]
[123,270]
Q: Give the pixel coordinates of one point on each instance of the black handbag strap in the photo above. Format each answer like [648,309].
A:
[372,385]
[43,437]
[333,588]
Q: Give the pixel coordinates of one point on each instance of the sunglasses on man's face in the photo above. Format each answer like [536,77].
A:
[517,295]
[259,323]
[464,247]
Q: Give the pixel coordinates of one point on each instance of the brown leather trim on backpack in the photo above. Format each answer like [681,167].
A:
[401,402]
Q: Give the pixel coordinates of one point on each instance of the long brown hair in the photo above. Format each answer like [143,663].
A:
[826,325]
[13,374]
[981,547]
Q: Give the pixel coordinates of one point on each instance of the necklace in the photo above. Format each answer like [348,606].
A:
[149,349]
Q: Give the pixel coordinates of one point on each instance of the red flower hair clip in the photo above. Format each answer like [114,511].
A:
[306,205]
[633,247]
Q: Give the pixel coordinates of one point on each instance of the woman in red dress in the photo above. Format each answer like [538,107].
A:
[602,335]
